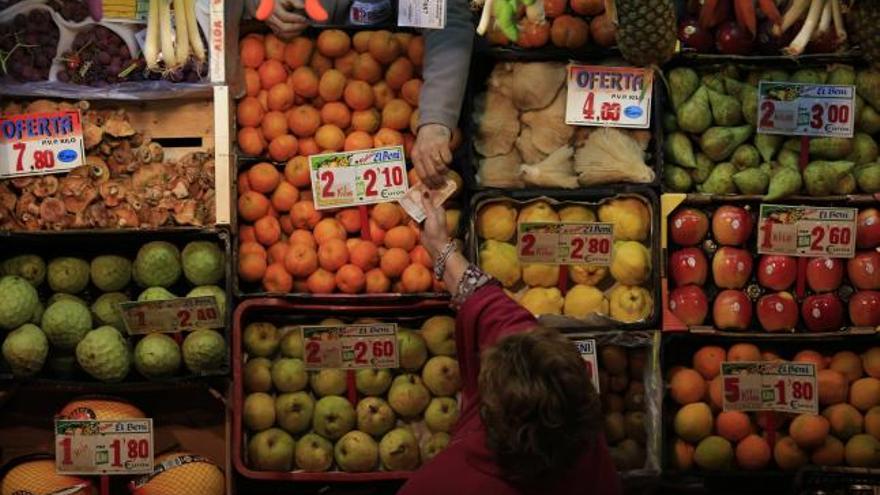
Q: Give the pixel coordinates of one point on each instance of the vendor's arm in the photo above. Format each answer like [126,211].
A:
[446,61]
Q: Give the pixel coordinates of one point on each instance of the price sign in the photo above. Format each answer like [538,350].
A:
[766,386]
[90,446]
[565,243]
[423,14]
[168,464]
[125,10]
[609,96]
[587,348]
[358,177]
[371,345]
[41,143]
[807,231]
[806,109]
[171,315]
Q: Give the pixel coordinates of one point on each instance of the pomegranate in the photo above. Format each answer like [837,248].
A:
[694,37]
[732,39]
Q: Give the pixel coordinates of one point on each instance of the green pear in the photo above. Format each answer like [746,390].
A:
[751,181]
[411,349]
[683,82]
[261,339]
[257,375]
[821,177]
[726,110]
[441,414]
[718,143]
[749,101]
[768,145]
[809,76]
[433,445]
[714,82]
[842,75]
[720,181]
[291,344]
[293,411]
[258,411]
[703,170]
[328,381]
[677,179]
[745,156]
[399,450]
[441,376]
[439,334]
[694,115]
[408,396]
[868,177]
[289,375]
[868,86]
[831,148]
[864,150]
[374,416]
[333,417]
[314,454]
[680,150]
[870,120]
[784,181]
[271,450]
[357,452]
[370,381]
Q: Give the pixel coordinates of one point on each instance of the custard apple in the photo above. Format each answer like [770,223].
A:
[68,275]
[157,265]
[110,273]
[104,354]
[204,351]
[18,301]
[27,266]
[155,294]
[157,356]
[66,322]
[105,310]
[211,290]
[37,318]
[59,296]
[25,350]
[203,263]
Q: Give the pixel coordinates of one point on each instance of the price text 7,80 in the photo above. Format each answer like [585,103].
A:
[43,159]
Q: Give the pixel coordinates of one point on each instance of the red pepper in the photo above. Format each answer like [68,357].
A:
[768,7]
[746,16]
[707,13]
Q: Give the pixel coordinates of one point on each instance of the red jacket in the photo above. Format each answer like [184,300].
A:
[467,466]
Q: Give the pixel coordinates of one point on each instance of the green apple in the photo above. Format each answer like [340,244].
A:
[441,376]
[369,381]
[289,375]
[333,417]
[261,339]
[259,411]
[293,411]
[411,349]
[291,341]
[258,375]
[439,335]
[408,396]
[374,416]
[328,381]
[356,452]
[271,450]
[441,414]
[314,453]
[433,445]
[399,450]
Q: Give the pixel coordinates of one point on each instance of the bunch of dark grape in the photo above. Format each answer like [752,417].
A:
[27,46]
[72,10]
[99,57]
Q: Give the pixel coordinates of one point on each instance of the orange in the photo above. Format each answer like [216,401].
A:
[365,255]
[416,278]
[400,237]
[303,214]
[394,262]
[271,72]
[408,142]
[336,113]
[708,361]
[350,279]
[274,47]
[366,121]
[358,95]
[298,52]
[283,147]
[333,43]
[376,282]
[848,363]
[399,72]
[733,425]
[297,171]
[301,260]
[331,85]
[788,456]
[252,205]
[251,267]
[277,251]
[358,140]
[366,68]
[303,120]
[320,64]
[414,123]
[420,255]
[321,282]
[251,82]
[350,218]
[328,228]
[246,234]
[809,430]
[743,352]
[403,39]
[308,147]
[345,63]
[411,91]
[276,279]
[263,98]
[714,392]
[382,94]
[332,254]
[251,247]
[396,114]
[810,356]
[387,137]
[386,215]
[280,97]
[304,237]
[305,82]
[350,244]
[687,386]
[268,230]
[263,177]
[286,224]
[274,125]
[377,234]
[753,453]
[285,196]
[251,51]
[249,112]
[833,387]
[361,41]
[384,47]
[416,50]
[330,138]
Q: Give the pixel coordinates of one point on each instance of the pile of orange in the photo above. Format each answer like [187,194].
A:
[289,246]
[332,93]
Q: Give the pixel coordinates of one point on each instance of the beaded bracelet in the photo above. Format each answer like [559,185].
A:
[442,258]
[472,279]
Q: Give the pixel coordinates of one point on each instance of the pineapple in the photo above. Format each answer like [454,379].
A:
[865,18]
[646,30]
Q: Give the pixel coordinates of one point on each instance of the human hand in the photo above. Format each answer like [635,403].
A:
[434,235]
[431,154]
[284,22]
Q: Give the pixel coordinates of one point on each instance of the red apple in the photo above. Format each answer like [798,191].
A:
[689,304]
[688,227]
[868,229]
[731,225]
[777,312]
[864,308]
[864,270]
[776,271]
[824,274]
[822,313]
[731,268]
[688,266]
[732,310]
